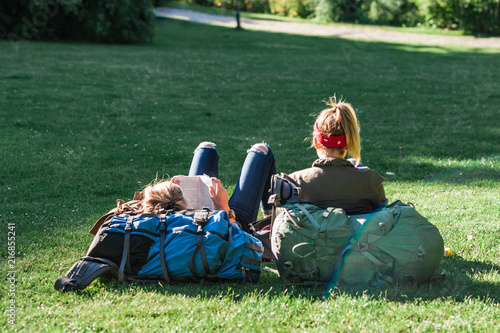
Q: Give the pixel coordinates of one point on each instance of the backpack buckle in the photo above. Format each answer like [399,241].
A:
[360,246]
[200,216]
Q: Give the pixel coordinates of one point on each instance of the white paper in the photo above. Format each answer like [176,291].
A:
[196,191]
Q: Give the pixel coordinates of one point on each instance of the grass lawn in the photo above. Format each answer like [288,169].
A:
[82,125]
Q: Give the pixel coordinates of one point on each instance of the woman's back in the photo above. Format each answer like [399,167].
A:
[335,182]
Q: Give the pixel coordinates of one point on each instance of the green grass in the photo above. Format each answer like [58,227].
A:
[82,125]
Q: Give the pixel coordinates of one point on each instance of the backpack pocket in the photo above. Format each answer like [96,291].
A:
[243,257]
[109,241]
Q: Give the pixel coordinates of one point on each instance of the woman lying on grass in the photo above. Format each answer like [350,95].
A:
[242,207]
[218,252]
[333,181]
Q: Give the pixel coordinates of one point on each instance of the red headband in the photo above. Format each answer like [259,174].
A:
[330,141]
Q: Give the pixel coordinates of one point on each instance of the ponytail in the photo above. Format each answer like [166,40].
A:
[340,119]
[163,195]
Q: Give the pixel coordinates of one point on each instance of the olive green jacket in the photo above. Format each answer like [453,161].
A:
[335,182]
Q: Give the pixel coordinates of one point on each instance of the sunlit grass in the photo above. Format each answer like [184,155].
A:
[82,125]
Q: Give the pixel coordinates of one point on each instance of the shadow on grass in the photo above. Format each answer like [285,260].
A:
[465,281]
[468,280]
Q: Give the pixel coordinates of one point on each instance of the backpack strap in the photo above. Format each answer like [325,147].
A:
[228,245]
[309,216]
[200,218]
[292,219]
[229,239]
[126,251]
[127,207]
[283,190]
[365,249]
[338,266]
[273,217]
[163,229]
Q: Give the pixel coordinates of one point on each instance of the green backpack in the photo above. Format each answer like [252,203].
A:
[393,245]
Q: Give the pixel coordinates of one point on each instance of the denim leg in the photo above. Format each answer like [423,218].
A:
[254,184]
[205,161]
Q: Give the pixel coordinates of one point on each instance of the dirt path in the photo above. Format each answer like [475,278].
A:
[342,31]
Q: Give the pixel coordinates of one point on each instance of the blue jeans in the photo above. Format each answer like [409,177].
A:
[253,185]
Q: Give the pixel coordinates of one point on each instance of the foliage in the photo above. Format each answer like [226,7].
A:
[473,16]
[82,125]
[108,21]
[481,16]
[388,12]
[445,13]
[211,2]
[395,12]
[326,11]
[294,8]
[340,10]
[256,6]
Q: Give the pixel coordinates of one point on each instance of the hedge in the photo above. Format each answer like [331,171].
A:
[473,16]
[107,21]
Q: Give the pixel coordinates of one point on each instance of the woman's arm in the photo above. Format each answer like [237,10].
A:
[220,198]
[378,192]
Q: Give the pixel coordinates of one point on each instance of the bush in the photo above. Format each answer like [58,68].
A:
[256,6]
[119,21]
[395,12]
[209,3]
[474,16]
[33,19]
[295,8]
[108,21]
[326,12]
[304,8]
[445,13]
[340,10]
[481,17]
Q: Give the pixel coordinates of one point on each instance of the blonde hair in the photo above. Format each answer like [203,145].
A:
[340,119]
[163,195]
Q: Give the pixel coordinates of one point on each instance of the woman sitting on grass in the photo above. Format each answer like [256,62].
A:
[333,181]
[242,207]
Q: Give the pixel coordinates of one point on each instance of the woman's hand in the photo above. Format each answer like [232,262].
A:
[219,195]
[176,179]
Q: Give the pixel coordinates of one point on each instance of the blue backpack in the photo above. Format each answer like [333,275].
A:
[188,245]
